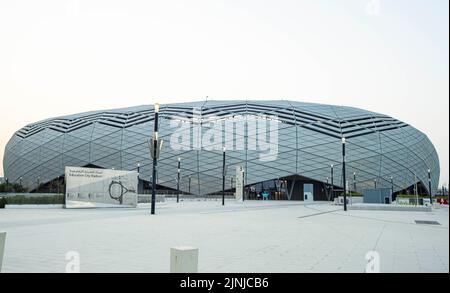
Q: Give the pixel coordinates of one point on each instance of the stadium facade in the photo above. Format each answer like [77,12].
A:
[380,150]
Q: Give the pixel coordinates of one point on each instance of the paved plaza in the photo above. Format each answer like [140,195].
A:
[254,236]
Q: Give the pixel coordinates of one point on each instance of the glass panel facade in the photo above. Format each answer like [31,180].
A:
[308,141]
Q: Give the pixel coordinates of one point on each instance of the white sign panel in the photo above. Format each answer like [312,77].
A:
[239,183]
[90,188]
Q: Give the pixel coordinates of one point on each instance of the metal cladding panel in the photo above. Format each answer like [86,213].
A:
[308,142]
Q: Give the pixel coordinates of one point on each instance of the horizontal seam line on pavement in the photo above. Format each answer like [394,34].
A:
[318,214]
[251,209]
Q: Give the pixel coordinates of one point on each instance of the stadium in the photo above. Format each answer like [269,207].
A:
[381,151]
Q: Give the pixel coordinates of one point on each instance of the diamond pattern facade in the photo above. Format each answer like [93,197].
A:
[309,141]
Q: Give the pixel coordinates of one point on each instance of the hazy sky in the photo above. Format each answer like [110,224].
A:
[63,57]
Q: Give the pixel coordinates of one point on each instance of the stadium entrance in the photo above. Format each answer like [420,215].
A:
[289,188]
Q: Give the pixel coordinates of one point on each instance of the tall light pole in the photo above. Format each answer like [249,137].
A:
[38,183]
[375,183]
[62,191]
[429,186]
[392,185]
[138,175]
[354,181]
[343,174]
[416,193]
[178,179]
[223,176]
[243,185]
[332,182]
[155,157]
[189,187]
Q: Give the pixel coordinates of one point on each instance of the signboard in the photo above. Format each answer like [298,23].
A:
[90,188]
[239,183]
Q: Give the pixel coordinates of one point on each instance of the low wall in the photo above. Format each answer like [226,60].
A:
[350,200]
[412,201]
[34,206]
[389,207]
[146,198]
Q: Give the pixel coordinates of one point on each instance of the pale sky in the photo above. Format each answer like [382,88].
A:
[63,57]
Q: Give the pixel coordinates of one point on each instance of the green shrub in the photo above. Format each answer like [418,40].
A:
[20,199]
[2,202]
[412,196]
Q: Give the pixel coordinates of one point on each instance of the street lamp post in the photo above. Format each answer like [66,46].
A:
[189,187]
[138,175]
[375,183]
[38,183]
[178,179]
[429,186]
[243,185]
[223,176]
[155,159]
[343,174]
[392,185]
[354,181]
[416,193]
[332,182]
[64,186]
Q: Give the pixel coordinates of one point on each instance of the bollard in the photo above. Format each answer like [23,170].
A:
[2,247]
[183,259]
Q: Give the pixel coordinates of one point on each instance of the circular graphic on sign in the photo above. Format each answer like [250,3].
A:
[117,190]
